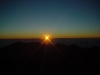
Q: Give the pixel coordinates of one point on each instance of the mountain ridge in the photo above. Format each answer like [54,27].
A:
[31,57]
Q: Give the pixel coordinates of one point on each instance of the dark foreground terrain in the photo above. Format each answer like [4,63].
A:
[48,59]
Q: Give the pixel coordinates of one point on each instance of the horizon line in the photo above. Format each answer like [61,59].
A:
[54,38]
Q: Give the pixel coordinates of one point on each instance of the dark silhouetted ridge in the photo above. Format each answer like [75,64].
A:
[48,58]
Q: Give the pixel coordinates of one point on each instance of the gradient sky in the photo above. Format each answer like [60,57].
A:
[61,18]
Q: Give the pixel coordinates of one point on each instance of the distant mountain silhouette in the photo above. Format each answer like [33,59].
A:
[48,58]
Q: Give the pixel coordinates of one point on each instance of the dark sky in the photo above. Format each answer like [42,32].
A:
[61,18]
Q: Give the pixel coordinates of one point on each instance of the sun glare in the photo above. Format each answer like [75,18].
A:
[47,38]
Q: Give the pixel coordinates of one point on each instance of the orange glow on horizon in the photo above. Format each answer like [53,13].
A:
[48,36]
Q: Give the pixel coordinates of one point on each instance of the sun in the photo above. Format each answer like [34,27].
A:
[46,38]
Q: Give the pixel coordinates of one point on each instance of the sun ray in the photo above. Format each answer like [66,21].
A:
[56,48]
[42,60]
[33,53]
[46,40]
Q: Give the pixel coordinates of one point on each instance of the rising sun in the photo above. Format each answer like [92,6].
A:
[46,37]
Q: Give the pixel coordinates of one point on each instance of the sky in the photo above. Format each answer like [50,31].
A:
[59,18]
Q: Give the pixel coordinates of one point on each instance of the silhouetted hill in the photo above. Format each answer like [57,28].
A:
[48,58]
